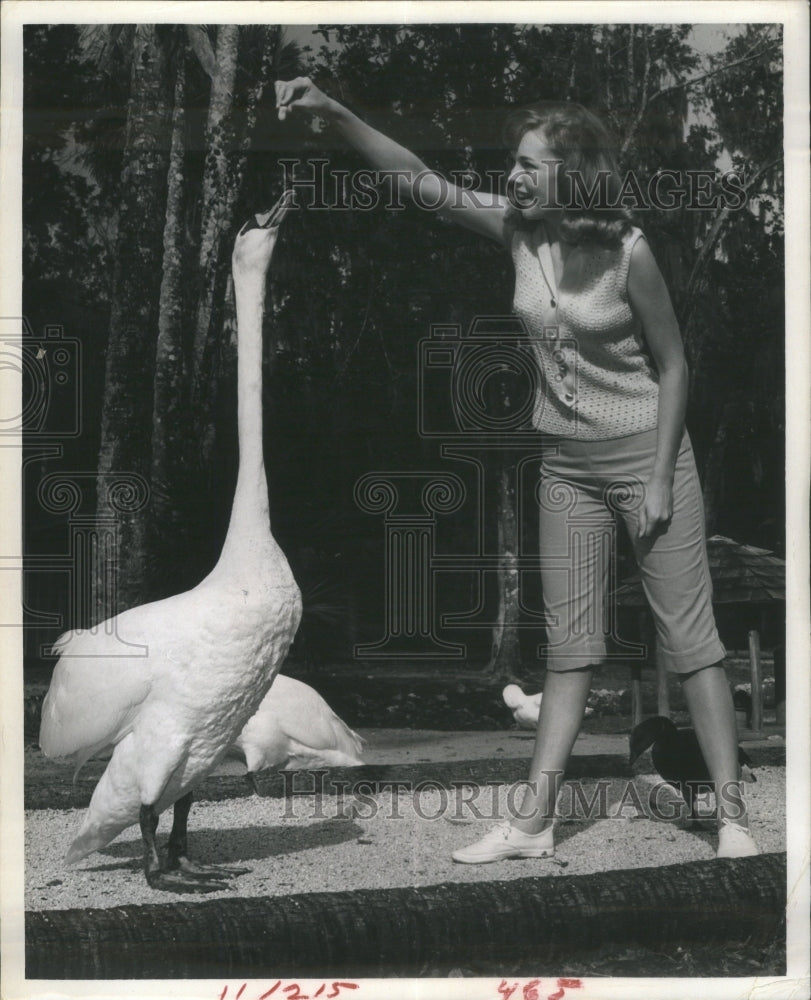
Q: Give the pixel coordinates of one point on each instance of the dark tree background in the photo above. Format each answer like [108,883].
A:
[145,149]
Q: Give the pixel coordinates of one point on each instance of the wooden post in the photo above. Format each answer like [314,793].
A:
[662,692]
[757,680]
[636,694]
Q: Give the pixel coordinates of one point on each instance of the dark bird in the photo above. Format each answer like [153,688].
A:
[677,757]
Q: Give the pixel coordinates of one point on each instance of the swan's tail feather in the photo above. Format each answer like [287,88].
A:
[115,805]
[302,760]
[347,742]
[92,838]
[345,751]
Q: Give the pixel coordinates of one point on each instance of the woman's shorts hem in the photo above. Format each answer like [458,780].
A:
[681,662]
[576,659]
[685,661]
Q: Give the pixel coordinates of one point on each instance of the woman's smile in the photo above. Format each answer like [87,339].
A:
[532,184]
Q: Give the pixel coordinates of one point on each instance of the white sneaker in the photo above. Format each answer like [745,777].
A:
[504,841]
[734,841]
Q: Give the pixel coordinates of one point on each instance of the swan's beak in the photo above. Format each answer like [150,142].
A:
[273,218]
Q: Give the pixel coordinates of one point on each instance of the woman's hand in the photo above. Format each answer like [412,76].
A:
[300,93]
[657,507]
[483,213]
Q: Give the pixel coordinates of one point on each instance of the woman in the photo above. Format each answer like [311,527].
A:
[610,406]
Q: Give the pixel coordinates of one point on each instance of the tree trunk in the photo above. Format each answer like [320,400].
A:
[505,653]
[127,403]
[170,423]
[226,154]
[521,924]
[216,219]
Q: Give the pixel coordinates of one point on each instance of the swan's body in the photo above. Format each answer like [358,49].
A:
[207,656]
[295,729]
[525,707]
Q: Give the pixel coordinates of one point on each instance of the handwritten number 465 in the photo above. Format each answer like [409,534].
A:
[530,990]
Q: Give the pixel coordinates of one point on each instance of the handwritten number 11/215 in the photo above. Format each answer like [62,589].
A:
[293,991]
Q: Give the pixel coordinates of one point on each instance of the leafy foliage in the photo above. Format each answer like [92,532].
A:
[353,292]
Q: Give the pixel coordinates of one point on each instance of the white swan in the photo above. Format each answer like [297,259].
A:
[211,653]
[525,707]
[295,729]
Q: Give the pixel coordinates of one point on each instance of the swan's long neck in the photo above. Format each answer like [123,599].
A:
[250,516]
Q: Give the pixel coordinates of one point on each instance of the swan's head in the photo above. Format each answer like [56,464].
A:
[513,696]
[254,244]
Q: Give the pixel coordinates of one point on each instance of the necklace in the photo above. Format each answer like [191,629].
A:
[552,297]
[552,301]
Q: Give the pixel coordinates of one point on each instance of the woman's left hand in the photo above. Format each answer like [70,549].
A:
[657,508]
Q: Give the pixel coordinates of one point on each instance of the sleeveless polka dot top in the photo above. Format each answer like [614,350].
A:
[598,379]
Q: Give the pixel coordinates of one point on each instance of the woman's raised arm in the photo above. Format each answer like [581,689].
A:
[479,211]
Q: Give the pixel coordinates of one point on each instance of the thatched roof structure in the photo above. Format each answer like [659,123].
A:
[741,574]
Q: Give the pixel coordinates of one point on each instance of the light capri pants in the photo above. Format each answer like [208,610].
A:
[585,487]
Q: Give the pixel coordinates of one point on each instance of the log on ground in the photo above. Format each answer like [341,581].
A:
[392,932]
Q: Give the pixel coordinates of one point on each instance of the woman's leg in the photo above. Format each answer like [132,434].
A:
[574,526]
[676,577]
[564,701]
[576,534]
[710,703]
[528,834]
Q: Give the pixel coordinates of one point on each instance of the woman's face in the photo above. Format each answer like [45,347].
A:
[532,183]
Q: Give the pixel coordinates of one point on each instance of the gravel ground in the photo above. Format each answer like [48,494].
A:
[311,844]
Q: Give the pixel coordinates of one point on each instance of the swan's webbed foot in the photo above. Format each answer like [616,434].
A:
[178,858]
[250,777]
[181,873]
[167,881]
[177,881]
[193,869]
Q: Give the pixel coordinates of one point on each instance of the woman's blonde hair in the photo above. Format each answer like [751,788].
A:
[588,179]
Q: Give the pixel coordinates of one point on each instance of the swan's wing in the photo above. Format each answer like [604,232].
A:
[301,714]
[94,695]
